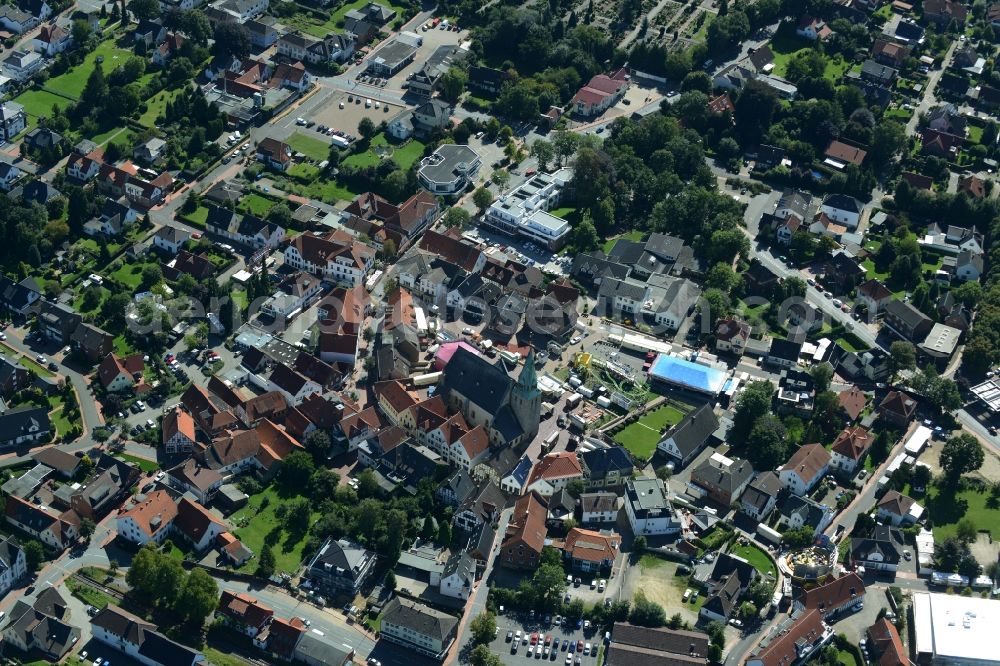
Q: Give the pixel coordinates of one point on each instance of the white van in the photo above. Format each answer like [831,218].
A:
[368,104]
[687,595]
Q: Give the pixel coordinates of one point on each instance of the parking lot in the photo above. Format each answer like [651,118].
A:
[354,109]
[557,642]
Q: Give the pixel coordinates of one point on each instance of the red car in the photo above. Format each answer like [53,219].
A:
[530,172]
[548,640]
[579,646]
[534,638]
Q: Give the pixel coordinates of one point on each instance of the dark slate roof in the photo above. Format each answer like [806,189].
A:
[694,430]
[20,421]
[599,462]
[762,489]
[843,202]
[905,312]
[420,619]
[785,349]
[474,377]
[885,540]
[810,511]
[728,479]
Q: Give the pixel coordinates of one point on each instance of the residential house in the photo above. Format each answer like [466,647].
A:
[21,66]
[458,576]
[969,266]
[972,185]
[138,639]
[785,353]
[874,296]
[247,230]
[148,521]
[724,479]
[57,322]
[600,93]
[590,551]
[878,73]
[943,12]
[813,29]
[522,544]
[683,442]
[808,464]
[796,513]
[853,401]
[191,477]
[727,582]
[340,567]
[274,154]
[42,626]
[243,613]
[648,509]
[52,39]
[553,472]
[849,449]
[19,297]
[761,495]
[885,643]
[881,551]
[606,467]
[337,261]
[120,374]
[834,596]
[13,377]
[940,144]
[890,53]
[13,566]
[24,425]
[170,239]
[839,154]
[793,641]
[600,507]
[418,628]
[731,335]
[450,170]
[898,509]
[12,119]
[906,321]
[632,645]
[842,209]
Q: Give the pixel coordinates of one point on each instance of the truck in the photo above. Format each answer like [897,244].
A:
[547,409]
[573,400]
[577,421]
[339,141]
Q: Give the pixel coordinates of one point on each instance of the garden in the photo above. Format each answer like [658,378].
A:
[258,525]
[642,436]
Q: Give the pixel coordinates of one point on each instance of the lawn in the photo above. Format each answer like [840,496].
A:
[256,204]
[73,82]
[316,149]
[305,22]
[642,436]
[946,510]
[239,299]
[869,267]
[834,70]
[851,343]
[61,423]
[755,556]
[196,218]
[39,104]
[329,191]
[156,106]
[129,275]
[87,594]
[30,364]
[142,463]
[217,658]
[118,135]
[288,548]
[611,242]
[405,155]
[122,347]
[975,133]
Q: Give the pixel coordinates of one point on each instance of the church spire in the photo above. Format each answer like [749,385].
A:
[527,381]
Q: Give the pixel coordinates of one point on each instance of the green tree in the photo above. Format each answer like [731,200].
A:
[34,554]
[483,627]
[317,443]
[144,10]
[457,217]
[482,198]
[639,544]
[960,455]
[452,83]
[169,578]
[199,597]
[798,538]
[502,178]
[231,39]
[366,127]
[902,356]
[296,469]
[753,402]
[151,275]
[87,527]
[646,613]
[482,656]
[585,236]
[549,582]
[95,91]
[966,530]
[767,446]
[266,563]
[821,375]
[544,152]
[444,533]
[141,574]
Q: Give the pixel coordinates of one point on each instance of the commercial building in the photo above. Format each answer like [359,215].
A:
[523,210]
[449,170]
[418,627]
[686,374]
[391,58]
[648,509]
[952,629]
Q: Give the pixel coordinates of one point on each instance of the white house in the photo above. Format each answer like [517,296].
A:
[898,510]
[294,386]
[968,266]
[8,175]
[148,521]
[874,295]
[13,566]
[601,507]
[843,209]
[805,468]
[12,120]
[554,472]
[170,239]
[120,630]
[648,509]
[458,577]
[22,65]
[346,263]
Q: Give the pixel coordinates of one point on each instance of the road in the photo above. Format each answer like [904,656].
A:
[477,601]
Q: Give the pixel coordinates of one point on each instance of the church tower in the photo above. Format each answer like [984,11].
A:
[526,399]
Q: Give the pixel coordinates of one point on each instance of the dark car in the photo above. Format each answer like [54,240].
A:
[53,365]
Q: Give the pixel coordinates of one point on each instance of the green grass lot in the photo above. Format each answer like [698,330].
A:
[156,105]
[307,23]
[642,436]
[30,364]
[122,347]
[975,133]
[73,82]
[755,556]
[39,104]
[129,275]
[62,424]
[196,218]
[851,343]
[404,155]
[946,510]
[117,135]
[257,205]
[142,463]
[901,115]
[316,149]
[87,594]
[304,172]
[611,242]
[329,191]
[869,267]
[288,548]
[239,299]
[217,658]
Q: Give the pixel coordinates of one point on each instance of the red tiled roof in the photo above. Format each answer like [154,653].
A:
[853,443]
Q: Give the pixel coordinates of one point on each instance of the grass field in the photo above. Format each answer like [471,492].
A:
[256,204]
[129,275]
[30,364]
[197,218]
[73,82]
[316,149]
[318,28]
[946,510]
[142,463]
[329,191]
[658,580]
[642,436]
[156,105]
[39,104]
[287,550]
[87,594]
[755,556]
[611,242]
[405,155]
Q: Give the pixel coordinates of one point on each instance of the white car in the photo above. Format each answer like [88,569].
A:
[575,339]
[159,475]
[837,302]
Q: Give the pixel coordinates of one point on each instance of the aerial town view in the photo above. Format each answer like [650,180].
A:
[488,333]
